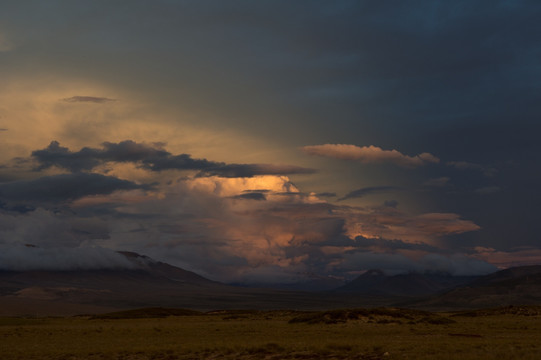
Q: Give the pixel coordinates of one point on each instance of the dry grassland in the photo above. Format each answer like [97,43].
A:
[508,333]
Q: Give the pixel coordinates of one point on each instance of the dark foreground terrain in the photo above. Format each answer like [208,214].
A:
[378,333]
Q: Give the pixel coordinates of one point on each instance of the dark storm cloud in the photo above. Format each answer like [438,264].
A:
[326,194]
[251,196]
[459,79]
[359,193]
[152,158]
[92,99]
[249,170]
[59,188]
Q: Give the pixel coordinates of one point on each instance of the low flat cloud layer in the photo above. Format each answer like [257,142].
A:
[369,154]
[25,258]
[91,99]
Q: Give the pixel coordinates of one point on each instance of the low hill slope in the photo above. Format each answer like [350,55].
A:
[375,282]
[148,283]
[514,286]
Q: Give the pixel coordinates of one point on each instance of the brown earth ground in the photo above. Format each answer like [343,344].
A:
[380,333]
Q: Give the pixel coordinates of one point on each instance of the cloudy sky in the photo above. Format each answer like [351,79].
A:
[271,141]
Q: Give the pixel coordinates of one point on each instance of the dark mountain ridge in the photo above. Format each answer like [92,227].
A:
[148,283]
[376,282]
[513,286]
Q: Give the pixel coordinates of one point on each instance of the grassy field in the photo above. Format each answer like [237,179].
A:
[506,333]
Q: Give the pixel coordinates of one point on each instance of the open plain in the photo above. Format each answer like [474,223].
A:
[381,333]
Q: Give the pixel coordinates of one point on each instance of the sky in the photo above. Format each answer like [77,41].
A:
[271,141]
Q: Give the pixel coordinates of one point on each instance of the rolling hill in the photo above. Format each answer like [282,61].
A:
[513,286]
[376,282]
[149,283]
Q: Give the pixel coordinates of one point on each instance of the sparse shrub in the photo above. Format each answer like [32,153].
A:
[340,347]
[437,320]
[146,313]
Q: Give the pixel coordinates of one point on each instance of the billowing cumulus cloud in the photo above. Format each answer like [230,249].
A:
[153,158]
[230,222]
[369,154]
[270,79]
[229,229]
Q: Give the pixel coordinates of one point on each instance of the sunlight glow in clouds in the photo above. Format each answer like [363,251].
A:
[131,135]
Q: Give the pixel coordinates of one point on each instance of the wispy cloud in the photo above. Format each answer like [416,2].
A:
[437,182]
[91,99]
[369,154]
[465,165]
[362,192]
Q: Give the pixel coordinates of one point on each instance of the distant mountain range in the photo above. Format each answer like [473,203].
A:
[514,286]
[376,282]
[154,283]
[147,283]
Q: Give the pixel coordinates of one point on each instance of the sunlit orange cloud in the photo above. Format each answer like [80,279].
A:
[506,259]
[202,218]
[393,224]
[118,197]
